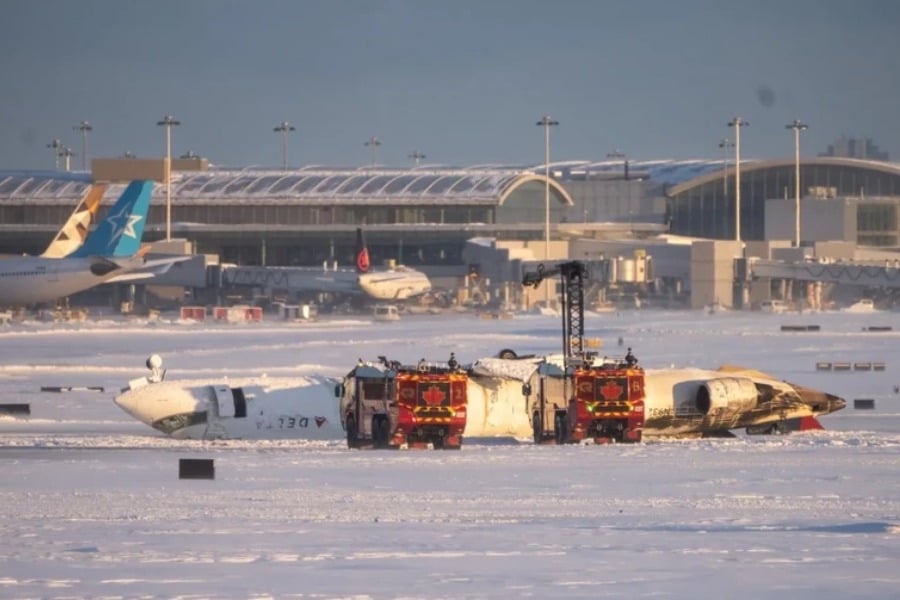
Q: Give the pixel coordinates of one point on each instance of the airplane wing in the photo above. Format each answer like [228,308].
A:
[148,269]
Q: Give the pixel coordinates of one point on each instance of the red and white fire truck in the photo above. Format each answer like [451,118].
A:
[391,405]
[581,397]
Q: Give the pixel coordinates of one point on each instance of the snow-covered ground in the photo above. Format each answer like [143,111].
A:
[92,505]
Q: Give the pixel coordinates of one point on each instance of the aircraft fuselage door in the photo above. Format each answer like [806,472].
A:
[224,401]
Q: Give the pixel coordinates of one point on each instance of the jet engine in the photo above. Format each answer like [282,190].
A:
[727,394]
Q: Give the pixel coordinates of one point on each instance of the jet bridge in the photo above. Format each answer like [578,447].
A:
[844,273]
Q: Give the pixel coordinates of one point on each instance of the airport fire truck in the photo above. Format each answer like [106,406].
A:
[582,397]
[391,405]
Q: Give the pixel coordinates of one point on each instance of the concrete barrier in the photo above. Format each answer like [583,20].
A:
[864,403]
[846,366]
[15,409]
[72,388]
[196,468]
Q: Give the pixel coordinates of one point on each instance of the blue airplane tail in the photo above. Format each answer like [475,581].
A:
[119,233]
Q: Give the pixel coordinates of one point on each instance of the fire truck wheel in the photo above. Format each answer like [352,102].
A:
[537,428]
[380,431]
[352,441]
[559,428]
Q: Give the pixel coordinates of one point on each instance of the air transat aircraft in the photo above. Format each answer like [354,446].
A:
[676,403]
[108,254]
[397,283]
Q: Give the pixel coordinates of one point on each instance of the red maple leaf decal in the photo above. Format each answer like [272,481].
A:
[433,396]
[362,260]
[611,390]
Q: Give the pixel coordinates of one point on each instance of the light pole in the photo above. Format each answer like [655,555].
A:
[284,128]
[416,156]
[67,154]
[168,121]
[55,145]
[83,127]
[737,123]
[619,154]
[372,142]
[547,122]
[725,144]
[797,126]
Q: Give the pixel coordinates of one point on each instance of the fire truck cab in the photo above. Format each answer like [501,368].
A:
[390,405]
[600,400]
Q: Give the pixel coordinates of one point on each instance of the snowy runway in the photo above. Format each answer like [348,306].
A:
[93,507]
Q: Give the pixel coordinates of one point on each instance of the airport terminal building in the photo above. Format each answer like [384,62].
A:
[424,216]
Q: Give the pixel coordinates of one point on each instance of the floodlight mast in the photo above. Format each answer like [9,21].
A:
[737,123]
[284,128]
[372,142]
[797,126]
[547,122]
[168,122]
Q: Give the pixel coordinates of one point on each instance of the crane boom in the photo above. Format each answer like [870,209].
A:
[572,275]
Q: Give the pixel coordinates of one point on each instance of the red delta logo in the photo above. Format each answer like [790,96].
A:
[362,260]
[433,396]
[611,390]
[320,421]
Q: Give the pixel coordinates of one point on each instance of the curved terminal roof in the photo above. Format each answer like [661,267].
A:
[484,184]
[311,185]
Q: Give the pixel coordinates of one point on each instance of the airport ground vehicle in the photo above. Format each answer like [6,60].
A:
[390,405]
[582,397]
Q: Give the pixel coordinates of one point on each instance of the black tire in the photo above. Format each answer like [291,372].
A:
[381,431]
[560,428]
[352,432]
[537,427]
[508,354]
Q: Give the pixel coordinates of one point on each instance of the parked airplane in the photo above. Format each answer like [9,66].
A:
[74,231]
[677,403]
[393,283]
[108,253]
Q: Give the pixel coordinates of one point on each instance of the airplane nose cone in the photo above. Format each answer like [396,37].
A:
[128,402]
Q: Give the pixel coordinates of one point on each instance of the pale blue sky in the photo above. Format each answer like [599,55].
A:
[463,81]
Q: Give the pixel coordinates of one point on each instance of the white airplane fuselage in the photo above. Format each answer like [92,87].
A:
[262,408]
[307,408]
[400,283]
[31,279]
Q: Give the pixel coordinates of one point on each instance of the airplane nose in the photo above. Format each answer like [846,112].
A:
[127,402]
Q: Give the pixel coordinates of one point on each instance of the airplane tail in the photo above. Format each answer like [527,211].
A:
[76,229]
[119,233]
[362,252]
